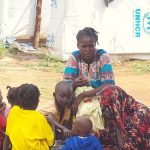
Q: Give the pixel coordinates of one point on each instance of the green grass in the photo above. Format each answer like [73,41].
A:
[52,64]
[13,50]
[3,50]
[140,67]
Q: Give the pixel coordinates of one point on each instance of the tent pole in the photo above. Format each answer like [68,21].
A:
[37,24]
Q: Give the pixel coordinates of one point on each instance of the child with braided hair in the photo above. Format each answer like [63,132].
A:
[27,128]
[12,99]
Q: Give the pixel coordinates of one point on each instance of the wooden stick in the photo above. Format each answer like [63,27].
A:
[37,24]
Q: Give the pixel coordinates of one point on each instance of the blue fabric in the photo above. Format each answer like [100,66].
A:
[78,143]
[108,81]
[95,83]
[76,53]
[74,71]
[106,68]
[101,51]
[101,75]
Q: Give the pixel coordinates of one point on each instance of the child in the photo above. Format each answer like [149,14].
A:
[2,109]
[63,97]
[12,99]
[26,128]
[82,140]
[2,120]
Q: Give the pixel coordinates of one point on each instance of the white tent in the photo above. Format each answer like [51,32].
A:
[68,18]
[124,26]
[17,17]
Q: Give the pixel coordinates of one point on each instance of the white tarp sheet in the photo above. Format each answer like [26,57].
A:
[124,26]
[2,6]
[68,17]
[19,17]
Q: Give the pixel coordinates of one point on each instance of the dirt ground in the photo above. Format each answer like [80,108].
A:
[18,69]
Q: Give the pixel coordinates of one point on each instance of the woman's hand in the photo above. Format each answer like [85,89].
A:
[80,98]
[66,132]
[76,102]
[80,82]
[74,107]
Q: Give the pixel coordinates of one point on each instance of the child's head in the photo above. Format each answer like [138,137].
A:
[63,93]
[82,126]
[12,96]
[3,106]
[28,96]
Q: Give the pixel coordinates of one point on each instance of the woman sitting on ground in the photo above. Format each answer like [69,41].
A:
[90,68]
[127,121]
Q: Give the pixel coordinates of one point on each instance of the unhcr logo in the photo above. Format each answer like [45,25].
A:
[146,23]
[141,22]
[137,22]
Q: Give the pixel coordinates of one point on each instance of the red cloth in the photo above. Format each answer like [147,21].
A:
[2,125]
[131,117]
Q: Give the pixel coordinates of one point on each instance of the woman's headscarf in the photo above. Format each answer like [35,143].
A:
[132,117]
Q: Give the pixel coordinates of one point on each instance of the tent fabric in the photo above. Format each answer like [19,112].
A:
[118,25]
[124,25]
[18,17]
[107,2]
